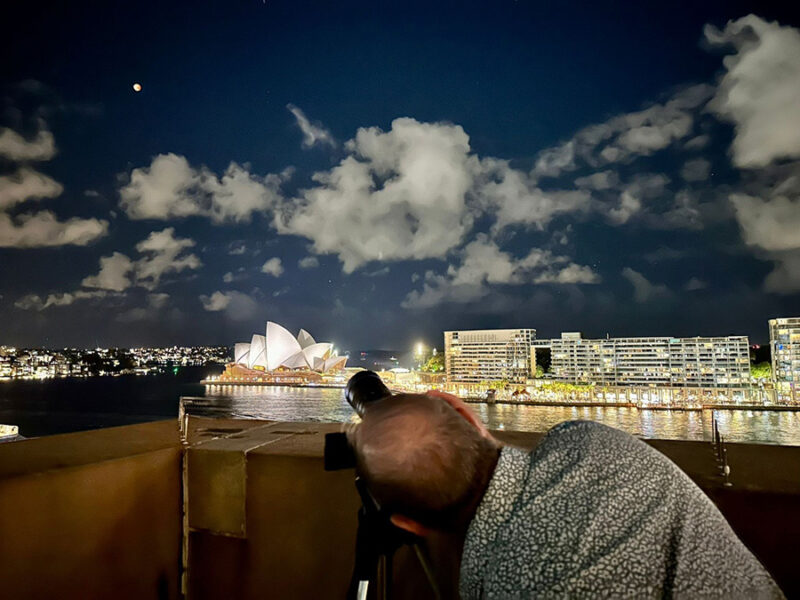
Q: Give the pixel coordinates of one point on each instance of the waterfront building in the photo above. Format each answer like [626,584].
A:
[676,362]
[488,355]
[280,357]
[784,340]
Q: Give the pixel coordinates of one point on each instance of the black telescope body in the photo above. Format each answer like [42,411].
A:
[364,388]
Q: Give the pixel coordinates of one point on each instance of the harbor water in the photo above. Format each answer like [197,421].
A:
[64,405]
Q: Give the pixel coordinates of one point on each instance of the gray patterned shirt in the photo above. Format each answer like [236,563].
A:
[594,512]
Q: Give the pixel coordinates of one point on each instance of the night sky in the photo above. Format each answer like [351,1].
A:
[379,172]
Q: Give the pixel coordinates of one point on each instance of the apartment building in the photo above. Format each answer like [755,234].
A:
[677,362]
[489,355]
[784,339]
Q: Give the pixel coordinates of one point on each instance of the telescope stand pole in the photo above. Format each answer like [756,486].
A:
[384,577]
[426,567]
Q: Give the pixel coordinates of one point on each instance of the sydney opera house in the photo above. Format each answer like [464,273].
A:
[280,357]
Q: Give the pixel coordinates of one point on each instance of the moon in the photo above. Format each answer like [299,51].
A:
[137,87]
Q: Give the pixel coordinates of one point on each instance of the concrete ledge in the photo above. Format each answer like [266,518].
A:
[99,514]
[295,522]
[300,521]
[85,447]
[217,477]
[92,515]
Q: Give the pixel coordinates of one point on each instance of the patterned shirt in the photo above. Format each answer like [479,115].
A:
[595,512]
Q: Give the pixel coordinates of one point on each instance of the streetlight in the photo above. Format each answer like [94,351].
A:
[419,353]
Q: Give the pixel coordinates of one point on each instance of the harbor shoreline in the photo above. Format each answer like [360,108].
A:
[475,400]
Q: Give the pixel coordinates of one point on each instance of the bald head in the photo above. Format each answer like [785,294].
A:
[421,458]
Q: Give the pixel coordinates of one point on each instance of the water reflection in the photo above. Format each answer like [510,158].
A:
[320,404]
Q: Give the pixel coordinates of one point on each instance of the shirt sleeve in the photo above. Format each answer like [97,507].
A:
[602,513]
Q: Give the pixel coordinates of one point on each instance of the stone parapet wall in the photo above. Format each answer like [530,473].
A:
[244,509]
[92,515]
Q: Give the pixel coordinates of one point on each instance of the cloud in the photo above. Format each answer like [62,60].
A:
[771,225]
[643,290]
[308,262]
[698,142]
[163,254]
[377,272]
[313,134]
[398,195]
[171,188]
[484,264]
[36,302]
[572,273]
[113,273]
[628,206]
[157,300]
[601,180]
[695,284]
[43,229]
[696,169]
[239,275]
[684,213]
[16,148]
[640,189]
[414,192]
[273,267]
[760,91]
[785,278]
[216,302]
[236,305]
[37,229]
[237,248]
[26,184]
[154,305]
[515,199]
[551,162]
[627,136]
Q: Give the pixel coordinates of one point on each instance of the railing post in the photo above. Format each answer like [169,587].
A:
[726,469]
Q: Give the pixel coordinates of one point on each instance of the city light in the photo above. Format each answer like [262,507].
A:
[39,363]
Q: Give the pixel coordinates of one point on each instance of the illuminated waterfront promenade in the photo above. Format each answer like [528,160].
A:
[544,392]
[640,397]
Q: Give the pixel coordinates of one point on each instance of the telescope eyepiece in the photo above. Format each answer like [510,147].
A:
[364,388]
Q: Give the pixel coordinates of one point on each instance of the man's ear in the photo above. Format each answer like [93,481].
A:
[409,525]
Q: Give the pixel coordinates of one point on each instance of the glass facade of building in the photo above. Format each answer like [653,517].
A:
[784,339]
[676,362]
[489,355]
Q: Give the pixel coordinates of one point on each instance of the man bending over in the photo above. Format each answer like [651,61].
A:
[590,512]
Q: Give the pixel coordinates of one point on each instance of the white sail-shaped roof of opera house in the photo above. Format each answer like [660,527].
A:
[279,348]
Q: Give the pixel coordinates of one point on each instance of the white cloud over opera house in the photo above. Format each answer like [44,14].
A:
[279,350]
